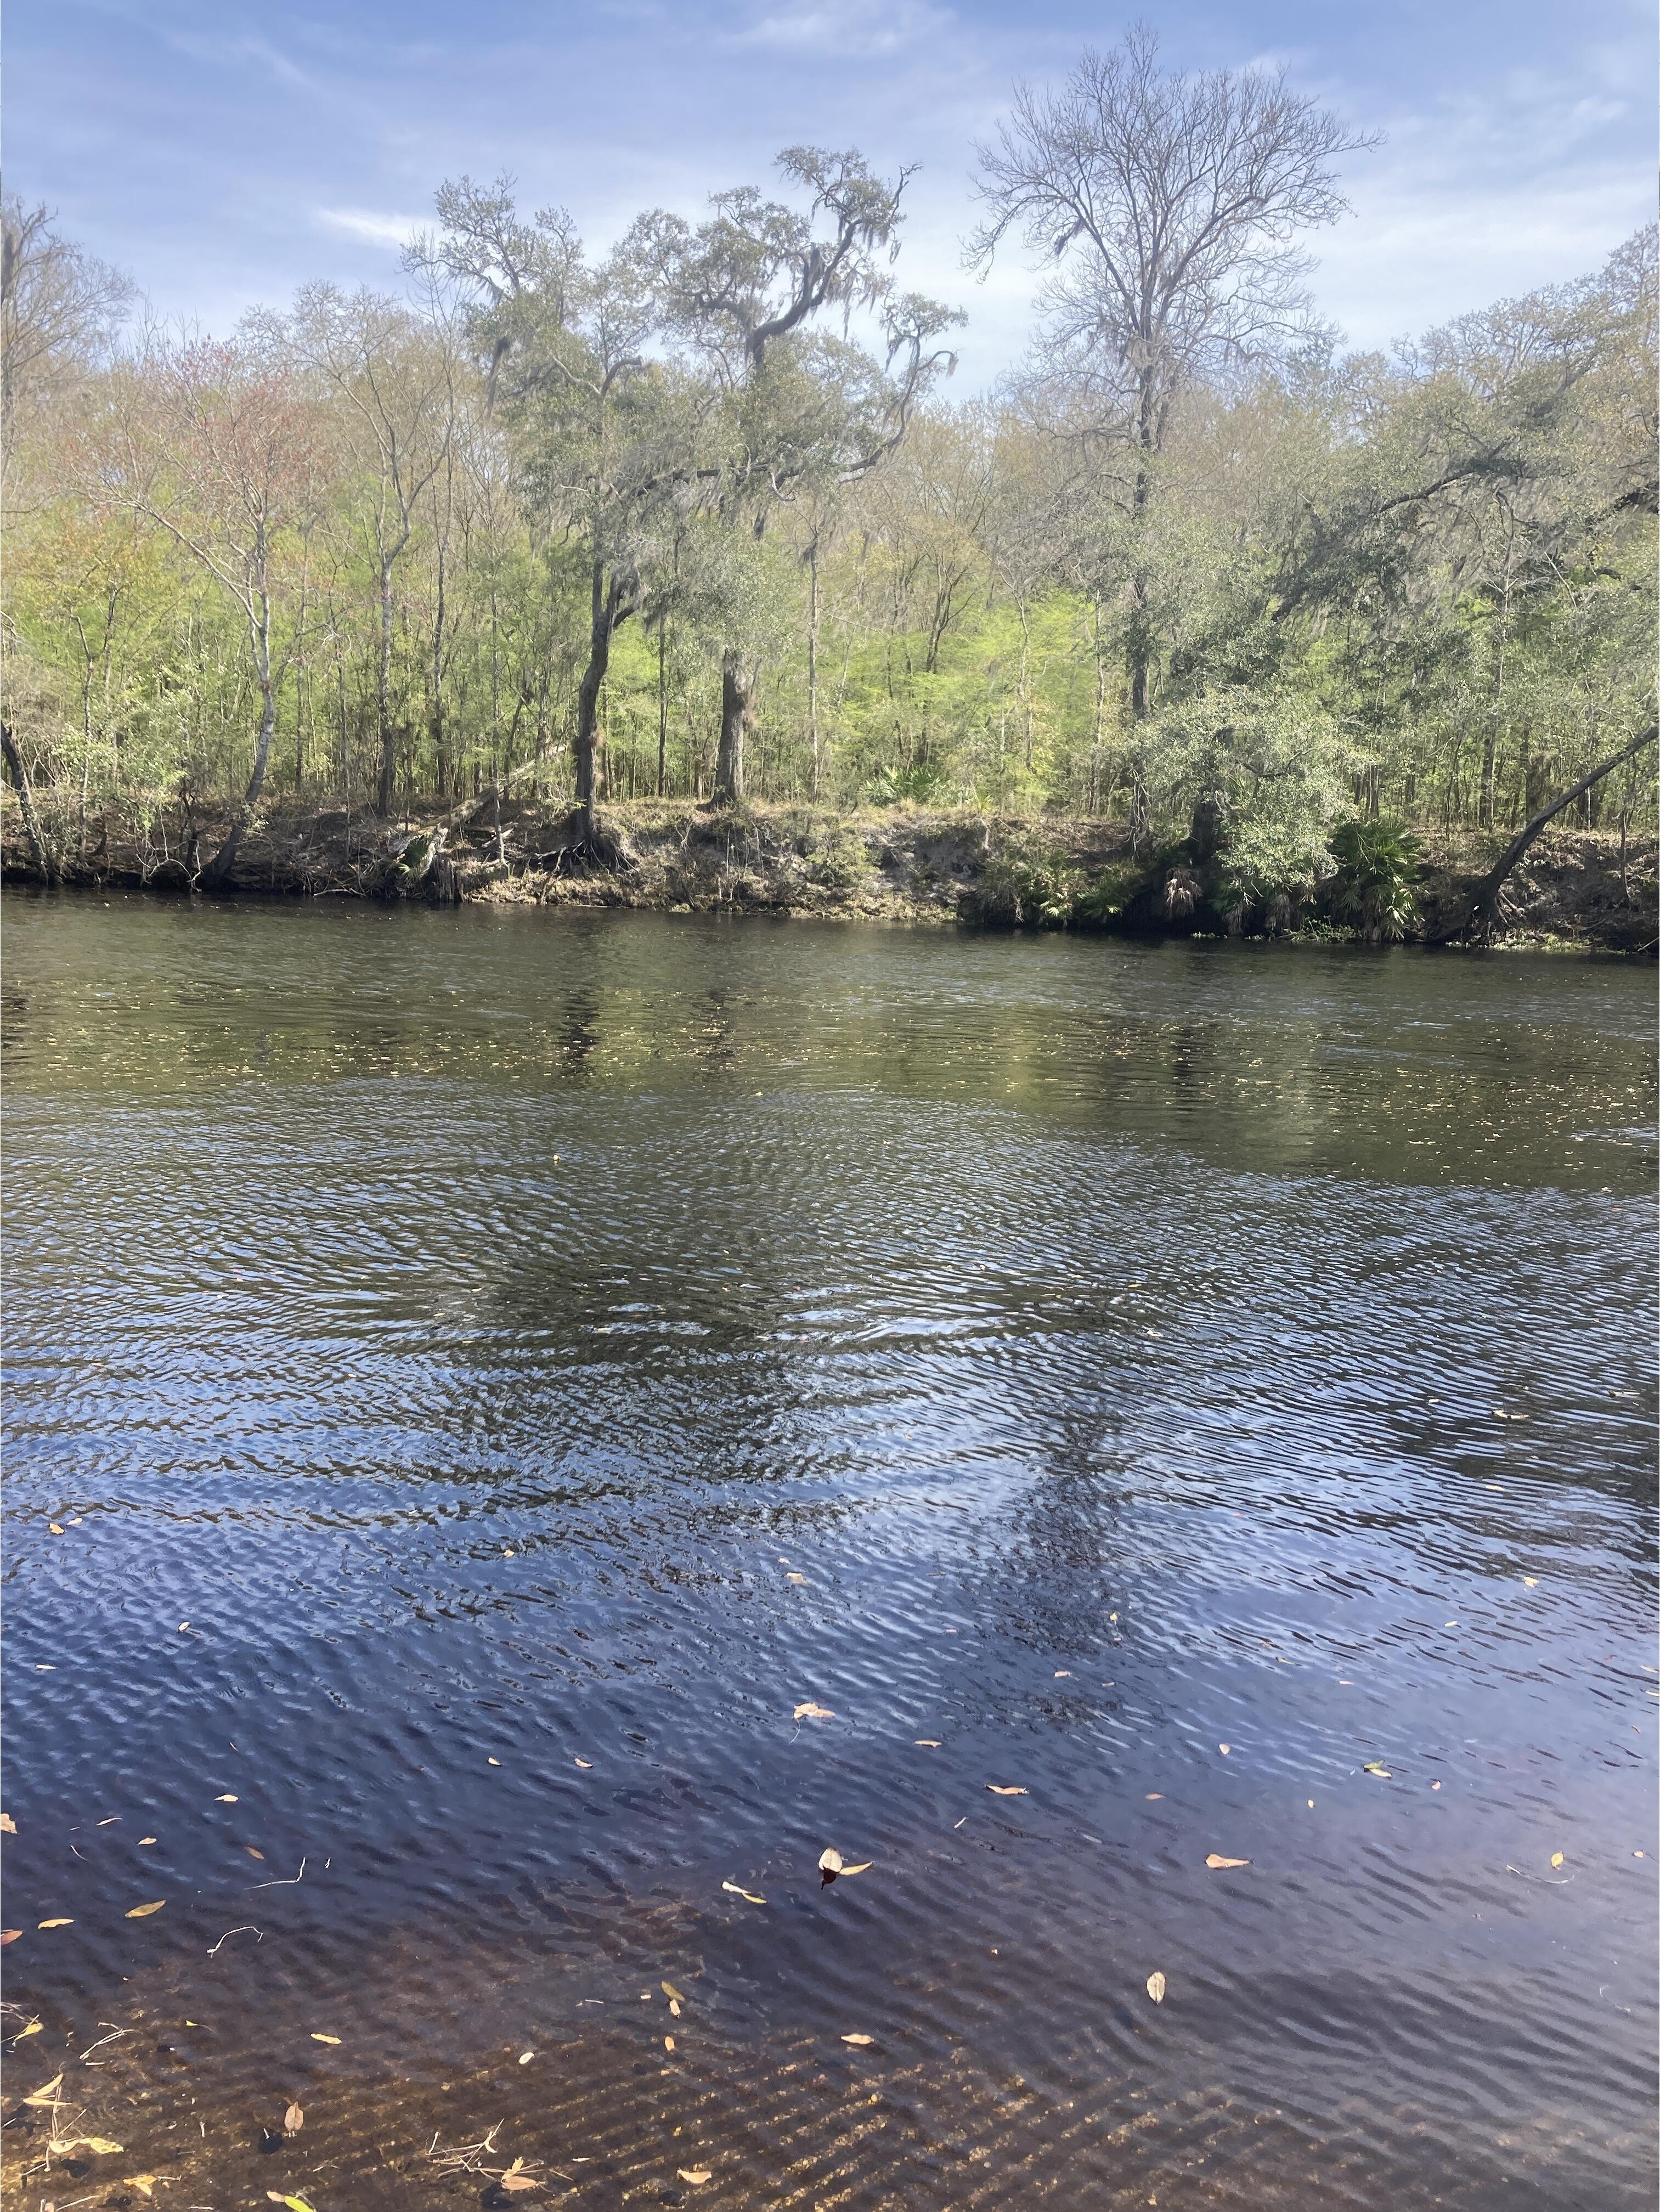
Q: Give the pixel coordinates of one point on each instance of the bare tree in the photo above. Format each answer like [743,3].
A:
[1167,208]
[217,445]
[59,307]
[395,378]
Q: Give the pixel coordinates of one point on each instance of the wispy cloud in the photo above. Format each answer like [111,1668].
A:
[393,230]
[858,29]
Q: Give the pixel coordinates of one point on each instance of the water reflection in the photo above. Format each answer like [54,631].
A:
[532,1359]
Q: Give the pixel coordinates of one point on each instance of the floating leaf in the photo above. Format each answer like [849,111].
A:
[143,1911]
[697,2175]
[674,1995]
[226,1800]
[997,1789]
[1063,1673]
[1224,1748]
[747,1894]
[863,1866]
[144,2181]
[795,1578]
[147,1839]
[513,2181]
[108,1822]
[812,1712]
[54,1924]
[295,2204]
[583,1762]
[1155,1796]
[674,2007]
[1216,1859]
[927,1742]
[8,1826]
[1556,1858]
[861,2040]
[101,2144]
[668,2043]
[1532,1581]
[55,1527]
[48,2094]
[525,2056]
[294,2120]
[317,2036]
[1377,1766]
[9,1936]
[34,2029]
[1156,1988]
[493,1762]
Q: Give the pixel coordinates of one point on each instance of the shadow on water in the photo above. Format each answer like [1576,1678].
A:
[525,1433]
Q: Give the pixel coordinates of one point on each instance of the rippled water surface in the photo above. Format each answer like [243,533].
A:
[473,1377]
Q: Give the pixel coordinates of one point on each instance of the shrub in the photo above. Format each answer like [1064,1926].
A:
[1379,867]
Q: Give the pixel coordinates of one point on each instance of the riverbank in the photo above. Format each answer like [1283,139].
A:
[1574,888]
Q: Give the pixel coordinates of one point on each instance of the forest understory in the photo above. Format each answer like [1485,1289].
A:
[1574,888]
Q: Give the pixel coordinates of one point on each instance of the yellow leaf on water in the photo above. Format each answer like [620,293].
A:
[252,1853]
[1556,1858]
[295,2204]
[748,1894]
[317,2036]
[147,1839]
[1156,1988]
[674,2007]
[584,1762]
[525,2056]
[101,2144]
[47,2094]
[812,1712]
[861,2040]
[927,1742]
[493,1762]
[514,2182]
[8,1826]
[143,1911]
[697,2175]
[226,1800]
[1532,1581]
[675,1997]
[668,2043]
[1377,1766]
[55,1527]
[997,1789]
[54,1924]
[144,2181]
[34,2029]
[1215,1859]
[294,2120]
[1155,1796]
[863,1866]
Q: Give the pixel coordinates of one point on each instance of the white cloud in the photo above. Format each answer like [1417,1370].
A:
[391,230]
[853,29]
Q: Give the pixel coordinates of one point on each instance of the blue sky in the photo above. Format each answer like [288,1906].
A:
[224,154]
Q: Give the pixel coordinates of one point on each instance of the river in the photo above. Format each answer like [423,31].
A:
[524,1430]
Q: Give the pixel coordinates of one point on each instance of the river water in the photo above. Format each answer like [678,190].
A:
[474,1376]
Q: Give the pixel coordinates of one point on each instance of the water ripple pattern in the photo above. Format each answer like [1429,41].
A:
[475,1379]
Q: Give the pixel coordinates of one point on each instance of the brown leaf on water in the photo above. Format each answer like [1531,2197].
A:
[997,1789]
[1156,1988]
[54,1924]
[101,2144]
[8,1826]
[861,2040]
[317,2036]
[696,2175]
[143,1911]
[812,1712]
[1216,1859]
[514,2181]
[48,2093]
[293,2120]
[674,1995]
[9,1936]
[252,1853]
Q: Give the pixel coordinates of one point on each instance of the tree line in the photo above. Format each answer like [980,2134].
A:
[698,518]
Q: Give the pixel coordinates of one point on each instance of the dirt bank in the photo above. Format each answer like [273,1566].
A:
[900,865]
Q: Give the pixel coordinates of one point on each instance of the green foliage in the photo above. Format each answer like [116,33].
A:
[840,862]
[1028,888]
[914,785]
[1378,867]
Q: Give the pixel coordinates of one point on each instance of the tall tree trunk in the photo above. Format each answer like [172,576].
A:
[812,660]
[383,698]
[607,611]
[736,684]
[43,858]
[662,709]
[216,874]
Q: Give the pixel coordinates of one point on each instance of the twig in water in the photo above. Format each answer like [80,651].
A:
[248,1930]
[286,1882]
